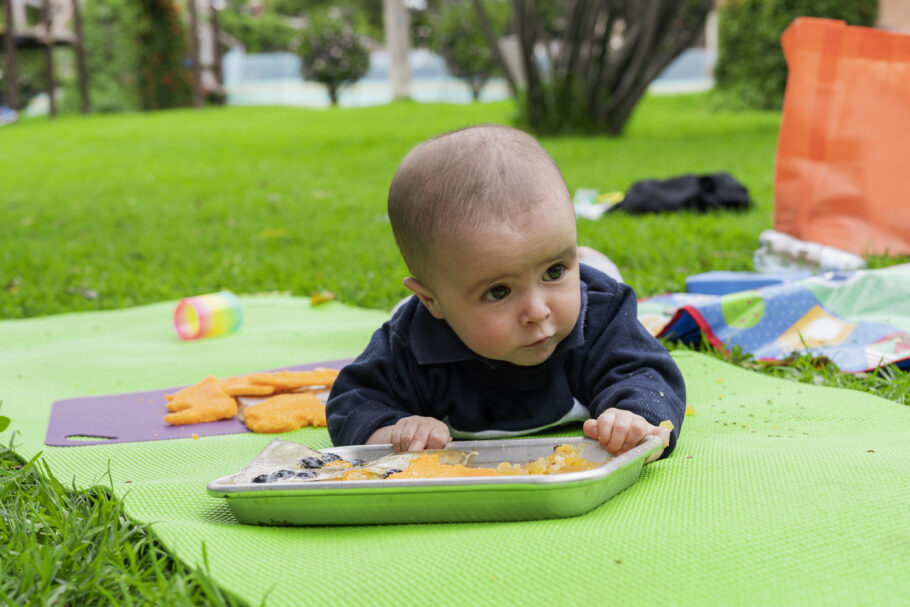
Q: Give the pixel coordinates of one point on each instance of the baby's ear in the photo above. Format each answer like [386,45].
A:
[424,295]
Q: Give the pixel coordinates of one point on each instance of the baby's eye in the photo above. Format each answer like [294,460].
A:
[496,293]
[554,272]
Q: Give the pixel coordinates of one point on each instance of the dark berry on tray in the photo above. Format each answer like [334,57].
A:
[311,462]
[390,472]
[262,478]
[306,474]
[358,462]
[329,457]
[281,474]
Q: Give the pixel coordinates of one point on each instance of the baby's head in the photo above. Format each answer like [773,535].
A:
[463,180]
[485,224]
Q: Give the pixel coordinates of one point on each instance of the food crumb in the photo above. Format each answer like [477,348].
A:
[195,436]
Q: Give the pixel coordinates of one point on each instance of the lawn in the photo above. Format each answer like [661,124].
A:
[114,211]
[107,212]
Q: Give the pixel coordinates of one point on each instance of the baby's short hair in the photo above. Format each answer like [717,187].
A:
[465,179]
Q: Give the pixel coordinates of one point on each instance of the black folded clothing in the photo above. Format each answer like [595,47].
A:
[688,192]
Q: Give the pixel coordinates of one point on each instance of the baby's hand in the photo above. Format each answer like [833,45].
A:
[416,432]
[619,430]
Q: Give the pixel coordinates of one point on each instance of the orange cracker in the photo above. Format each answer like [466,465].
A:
[285,412]
[291,380]
[202,402]
[241,386]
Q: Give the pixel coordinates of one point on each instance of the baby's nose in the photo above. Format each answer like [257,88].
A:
[536,310]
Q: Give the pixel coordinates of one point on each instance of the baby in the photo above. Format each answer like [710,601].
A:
[507,333]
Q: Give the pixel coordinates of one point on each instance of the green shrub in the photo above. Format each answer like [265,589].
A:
[111,56]
[269,33]
[459,38]
[31,74]
[751,71]
[165,79]
[332,52]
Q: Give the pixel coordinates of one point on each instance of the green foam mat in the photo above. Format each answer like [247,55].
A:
[777,491]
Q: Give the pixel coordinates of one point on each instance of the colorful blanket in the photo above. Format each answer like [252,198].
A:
[859,320]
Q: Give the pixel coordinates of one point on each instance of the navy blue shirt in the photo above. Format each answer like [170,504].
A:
[416,365]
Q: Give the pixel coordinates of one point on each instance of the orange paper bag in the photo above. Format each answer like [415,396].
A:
[842,176]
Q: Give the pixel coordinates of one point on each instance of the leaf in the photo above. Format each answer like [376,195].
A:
[4,423]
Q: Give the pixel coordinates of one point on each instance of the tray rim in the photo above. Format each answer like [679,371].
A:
[648,446]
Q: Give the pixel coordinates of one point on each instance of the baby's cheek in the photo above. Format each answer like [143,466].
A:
[489,338]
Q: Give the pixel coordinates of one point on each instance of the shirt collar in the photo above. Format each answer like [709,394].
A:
[434,342]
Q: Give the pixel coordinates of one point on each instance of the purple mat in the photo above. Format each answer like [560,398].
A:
[134,416]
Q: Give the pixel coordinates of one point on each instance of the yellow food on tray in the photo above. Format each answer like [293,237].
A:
[565,458]
[428,466]
[285,412]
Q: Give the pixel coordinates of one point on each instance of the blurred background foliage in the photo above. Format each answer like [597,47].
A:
[331,50]
[751,72]
[455,33]
[137,50]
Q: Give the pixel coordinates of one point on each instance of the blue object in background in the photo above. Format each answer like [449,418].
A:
[722,282]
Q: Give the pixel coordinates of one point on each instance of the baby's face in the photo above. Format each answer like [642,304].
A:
[512,292]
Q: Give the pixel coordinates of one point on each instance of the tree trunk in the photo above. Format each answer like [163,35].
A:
[216,52]
[494,46]
[49,59]
[9,48]
[396,21]
[526,25]
[603,58]
[80,59]
[194,42]
[476,88]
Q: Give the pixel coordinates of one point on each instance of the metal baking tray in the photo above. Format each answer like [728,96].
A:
[496,498]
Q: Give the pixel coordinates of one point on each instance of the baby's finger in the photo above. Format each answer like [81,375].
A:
[662,433]
[411,438]
[396,438]
[614,440]
[590,428]
[638,429]
[439,437]
[407,430]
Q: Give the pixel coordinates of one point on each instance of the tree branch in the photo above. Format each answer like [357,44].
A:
[494,45]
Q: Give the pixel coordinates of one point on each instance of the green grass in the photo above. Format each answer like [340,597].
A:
[143,208]
[59,546]
[112,211]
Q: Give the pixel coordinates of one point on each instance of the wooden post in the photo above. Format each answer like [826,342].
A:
[80,59]
[9,49]
[49,57]
[194,41]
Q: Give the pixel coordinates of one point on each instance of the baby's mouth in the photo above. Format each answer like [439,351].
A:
[540,342]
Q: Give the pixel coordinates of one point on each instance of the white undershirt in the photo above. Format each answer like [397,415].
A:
[578,413]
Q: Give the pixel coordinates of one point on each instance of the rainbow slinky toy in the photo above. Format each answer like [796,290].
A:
[207,315]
